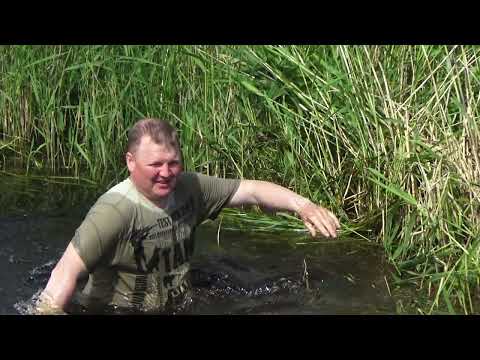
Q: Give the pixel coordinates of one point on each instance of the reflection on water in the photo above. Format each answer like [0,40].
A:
[241,274]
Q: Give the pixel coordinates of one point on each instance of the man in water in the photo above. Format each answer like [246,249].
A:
[136,242]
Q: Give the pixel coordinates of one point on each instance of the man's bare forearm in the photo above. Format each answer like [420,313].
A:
[270,195]
[273,196]
[62,283]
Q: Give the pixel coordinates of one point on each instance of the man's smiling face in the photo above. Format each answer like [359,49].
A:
[154,169]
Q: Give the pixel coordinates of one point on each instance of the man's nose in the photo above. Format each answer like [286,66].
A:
[164,170]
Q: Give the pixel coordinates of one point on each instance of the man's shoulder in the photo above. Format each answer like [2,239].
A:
[197,176]
[121,197]
[188,181]
[195,179]
[187,175]
[198,181]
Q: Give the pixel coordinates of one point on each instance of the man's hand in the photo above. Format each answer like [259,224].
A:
[46,306]
[317,218]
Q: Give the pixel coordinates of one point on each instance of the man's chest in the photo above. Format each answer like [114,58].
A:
[160,241]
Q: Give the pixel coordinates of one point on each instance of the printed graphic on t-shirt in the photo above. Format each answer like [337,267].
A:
[163,250]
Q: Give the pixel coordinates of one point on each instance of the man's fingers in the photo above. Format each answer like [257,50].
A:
[316,225]
[330,228]
[316,217]
[323,229]
[322,220]
[330,222]
[333,223]
[334,218]
[310,228]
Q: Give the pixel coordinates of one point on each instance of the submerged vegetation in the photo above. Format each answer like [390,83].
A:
[386,136]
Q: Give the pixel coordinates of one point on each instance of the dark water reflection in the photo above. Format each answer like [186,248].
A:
[243,273]
[270,274]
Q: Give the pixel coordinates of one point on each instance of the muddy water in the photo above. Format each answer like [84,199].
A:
[237,273]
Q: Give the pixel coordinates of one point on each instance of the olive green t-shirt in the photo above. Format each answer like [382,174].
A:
[136,253]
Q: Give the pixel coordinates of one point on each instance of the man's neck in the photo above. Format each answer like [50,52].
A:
[161,203]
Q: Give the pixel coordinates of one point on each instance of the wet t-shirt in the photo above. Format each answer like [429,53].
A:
[136,253]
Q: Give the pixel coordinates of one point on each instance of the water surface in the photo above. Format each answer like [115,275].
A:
[235,273]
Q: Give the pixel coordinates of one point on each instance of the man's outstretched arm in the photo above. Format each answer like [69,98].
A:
[267,194]
[62,283]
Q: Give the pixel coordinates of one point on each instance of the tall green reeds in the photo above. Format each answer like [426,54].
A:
[386,136]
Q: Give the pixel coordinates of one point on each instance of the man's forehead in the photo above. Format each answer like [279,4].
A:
[149,147]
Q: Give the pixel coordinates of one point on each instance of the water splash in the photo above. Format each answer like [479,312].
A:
[36,278]
[41,273]
[27,307]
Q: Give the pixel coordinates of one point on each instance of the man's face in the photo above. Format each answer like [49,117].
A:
[154,169]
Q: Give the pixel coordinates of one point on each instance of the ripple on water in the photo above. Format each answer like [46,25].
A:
[240,284]
[209,289]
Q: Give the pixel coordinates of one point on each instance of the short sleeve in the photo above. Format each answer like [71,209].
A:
[96,237]
[215,194]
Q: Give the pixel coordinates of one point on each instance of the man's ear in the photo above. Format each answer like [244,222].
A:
[130,160]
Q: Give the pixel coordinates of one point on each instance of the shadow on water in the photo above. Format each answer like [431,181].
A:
[242,273]
[269,274]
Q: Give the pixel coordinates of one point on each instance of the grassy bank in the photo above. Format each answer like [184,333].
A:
[386,136]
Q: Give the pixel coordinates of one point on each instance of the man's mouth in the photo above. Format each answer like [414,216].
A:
[163,183]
